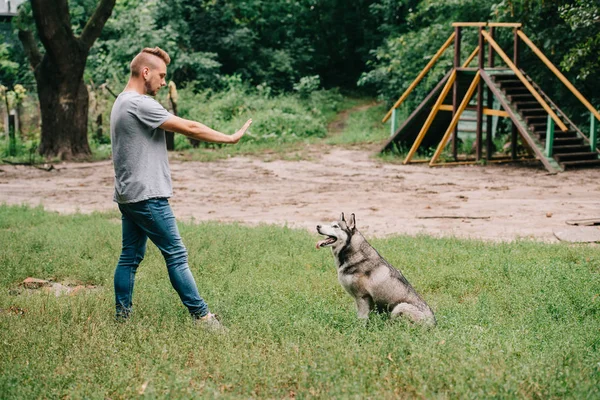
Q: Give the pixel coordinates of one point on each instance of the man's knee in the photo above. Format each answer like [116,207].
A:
[176,256]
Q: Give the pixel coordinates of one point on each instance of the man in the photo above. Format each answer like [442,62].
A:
[143,182]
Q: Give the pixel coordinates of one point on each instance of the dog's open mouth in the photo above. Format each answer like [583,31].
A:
[326,242]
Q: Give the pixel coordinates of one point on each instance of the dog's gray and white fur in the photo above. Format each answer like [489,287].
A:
[373,282]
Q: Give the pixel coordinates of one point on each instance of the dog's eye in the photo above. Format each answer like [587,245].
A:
[335,225]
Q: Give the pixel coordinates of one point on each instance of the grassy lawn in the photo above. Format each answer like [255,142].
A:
[518,320]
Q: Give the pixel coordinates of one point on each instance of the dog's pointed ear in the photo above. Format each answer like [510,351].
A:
[342,218]
[352,222]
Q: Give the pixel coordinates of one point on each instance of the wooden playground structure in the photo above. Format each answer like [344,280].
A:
[545,132]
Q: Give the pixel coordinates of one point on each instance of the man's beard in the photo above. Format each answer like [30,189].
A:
[149,90]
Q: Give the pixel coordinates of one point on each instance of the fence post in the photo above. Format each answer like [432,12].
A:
[593,132]
[393,123]
[549,136]
[12,140]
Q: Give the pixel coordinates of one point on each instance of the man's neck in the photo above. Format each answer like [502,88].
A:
[133,86]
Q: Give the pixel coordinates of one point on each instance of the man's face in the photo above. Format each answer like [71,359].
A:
[154,77]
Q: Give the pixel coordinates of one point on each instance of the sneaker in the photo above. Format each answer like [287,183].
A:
[211,323]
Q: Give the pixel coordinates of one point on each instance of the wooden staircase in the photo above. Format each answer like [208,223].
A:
[571,149]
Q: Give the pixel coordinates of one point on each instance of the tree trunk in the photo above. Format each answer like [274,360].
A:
[64,105]
[59,74]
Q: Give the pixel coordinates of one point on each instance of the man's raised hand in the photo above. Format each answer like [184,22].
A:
[238,135]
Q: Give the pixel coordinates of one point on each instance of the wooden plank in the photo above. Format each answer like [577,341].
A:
[587,234]
[455,119]
[506,24]
[420,76]
[486,111]
[584,222]
[495,113]
[484,24]
[431,117]
[473,162]
[518,73]
[560,76]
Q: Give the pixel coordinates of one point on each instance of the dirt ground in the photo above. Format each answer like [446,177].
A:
[498,202]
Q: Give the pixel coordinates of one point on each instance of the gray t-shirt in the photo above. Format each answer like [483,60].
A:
[138,149]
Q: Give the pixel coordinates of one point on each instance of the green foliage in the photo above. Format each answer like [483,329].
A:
[515,320]
[134,21]
[583,17]
[277,119]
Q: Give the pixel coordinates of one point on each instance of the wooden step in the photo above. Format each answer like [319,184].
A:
[570,148]
[511,83]
[532,111]
[504,77]
[567,141]
[516,90]
[523,105]
[588,155]
[531,119]
[558,134]
[580,164]
[520,98]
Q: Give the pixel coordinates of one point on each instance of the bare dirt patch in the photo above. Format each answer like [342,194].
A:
[497,202]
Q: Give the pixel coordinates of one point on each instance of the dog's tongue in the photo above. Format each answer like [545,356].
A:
[321,242]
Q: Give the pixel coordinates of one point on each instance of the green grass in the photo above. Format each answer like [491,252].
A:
[518,320]
[363,127]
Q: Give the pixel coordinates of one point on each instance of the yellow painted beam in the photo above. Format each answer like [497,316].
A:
[522,78]
[473,162]
[471,57]
[420,76]
[559,75]
[492,24]
[505,24]
[496,113]
[456,117]
[431,117]
[486,111]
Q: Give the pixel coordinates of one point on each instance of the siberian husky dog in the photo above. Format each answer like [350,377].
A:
[369,278]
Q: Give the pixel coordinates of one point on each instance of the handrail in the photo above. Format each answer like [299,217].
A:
[560,76]
[421,75]
[490,24]
[525,82]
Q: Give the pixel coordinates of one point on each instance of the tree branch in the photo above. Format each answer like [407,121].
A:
[53,24]
[94,26]
[31,49]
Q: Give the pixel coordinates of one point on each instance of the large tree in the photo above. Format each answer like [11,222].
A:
[59,74]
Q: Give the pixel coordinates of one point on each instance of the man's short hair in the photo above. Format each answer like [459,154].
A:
[147,58]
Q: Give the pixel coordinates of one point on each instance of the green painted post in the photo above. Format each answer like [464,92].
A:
[593,132]
[549,136]
[393,128]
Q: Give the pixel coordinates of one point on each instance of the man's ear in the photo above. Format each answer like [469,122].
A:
[352,222]
[342,218]
[145,72]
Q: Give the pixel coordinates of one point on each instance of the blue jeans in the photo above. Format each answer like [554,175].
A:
[153,219]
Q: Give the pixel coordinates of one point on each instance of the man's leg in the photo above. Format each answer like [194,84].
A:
[132,253]
[161,228]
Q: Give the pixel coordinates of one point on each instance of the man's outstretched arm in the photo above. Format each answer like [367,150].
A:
[198,131]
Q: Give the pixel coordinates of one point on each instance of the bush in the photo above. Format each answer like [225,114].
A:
[280,118]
